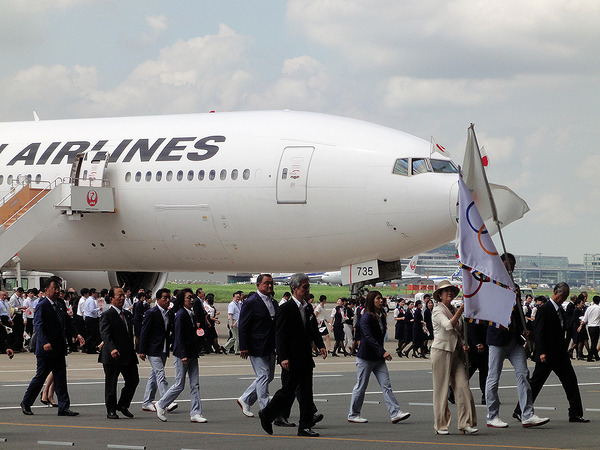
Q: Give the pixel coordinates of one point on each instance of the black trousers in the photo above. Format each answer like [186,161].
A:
[56,364]
[92,325]
[594,334]
[111,375]
[563,369]
[299,378]
[479,361]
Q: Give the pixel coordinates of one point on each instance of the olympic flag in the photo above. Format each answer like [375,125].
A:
[487,286]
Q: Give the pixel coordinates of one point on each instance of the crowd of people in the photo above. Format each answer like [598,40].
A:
[121,328]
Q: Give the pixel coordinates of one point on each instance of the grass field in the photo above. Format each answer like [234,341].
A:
[224,292]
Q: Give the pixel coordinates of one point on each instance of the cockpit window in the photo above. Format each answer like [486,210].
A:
[416,166]
[401,166]
[419,165]
[443,166]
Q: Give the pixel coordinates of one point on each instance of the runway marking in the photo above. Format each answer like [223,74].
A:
[64,444]
[263,436]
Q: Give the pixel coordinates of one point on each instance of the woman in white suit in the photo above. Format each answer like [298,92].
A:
[448,363]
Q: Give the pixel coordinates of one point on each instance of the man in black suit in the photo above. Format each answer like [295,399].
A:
[551,352]
[256,331]
[155,339]
[295,331]
[52,326]
[118,355]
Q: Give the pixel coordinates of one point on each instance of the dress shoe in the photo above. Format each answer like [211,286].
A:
[283,422]
[125,412]
[316,419]
[579,419]
[67,412]
[160,413]
[112,415]
[44,402]
[400,417]
[26,409]
[172,407]
[307,432]
[444,432]
[468,430]
[265,423]
[245,408]
[517,416]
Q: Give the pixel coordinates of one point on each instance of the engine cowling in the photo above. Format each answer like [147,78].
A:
[107,279]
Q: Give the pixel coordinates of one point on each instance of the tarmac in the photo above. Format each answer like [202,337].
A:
[223,378]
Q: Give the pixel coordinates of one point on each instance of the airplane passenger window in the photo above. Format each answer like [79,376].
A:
[84,174]
[419,165]
[200,175]
[148,176]
[38,178]
[211,175]
[138,177]
[234,174]
[158,175]
[441,166]
[9,179]
[128,177]
[180,175]
[401,166]
[284,173]
[29,178]
[169,176]
[1,178]
[246,174]
[223,174]
[190,176]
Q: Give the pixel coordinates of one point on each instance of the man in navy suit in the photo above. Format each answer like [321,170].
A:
[157,327]
[185,351]
[295,331]
[52,326]
[551,352]
[118,355]
[257,339]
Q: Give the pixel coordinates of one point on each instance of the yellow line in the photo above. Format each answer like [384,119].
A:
[214,433]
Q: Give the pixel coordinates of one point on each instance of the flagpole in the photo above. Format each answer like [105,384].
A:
[497,222]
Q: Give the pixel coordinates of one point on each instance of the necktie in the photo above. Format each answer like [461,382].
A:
[124,320]
[59,314]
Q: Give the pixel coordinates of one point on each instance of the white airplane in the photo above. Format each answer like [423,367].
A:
[455,278]
[133,198]
[407,276]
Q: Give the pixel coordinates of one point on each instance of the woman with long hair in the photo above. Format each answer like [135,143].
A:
[371,358]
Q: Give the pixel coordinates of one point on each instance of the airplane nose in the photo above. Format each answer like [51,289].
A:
[453,203]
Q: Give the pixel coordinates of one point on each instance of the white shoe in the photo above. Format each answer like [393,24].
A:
[441,431]
[357,419]
[160,413]
[469,430]
[535,421]
[172,407]
[496,423]
[400,417]
[245,408]
[198,418]
[149,407]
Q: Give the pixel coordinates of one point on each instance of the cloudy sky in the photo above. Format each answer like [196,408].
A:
[527,73]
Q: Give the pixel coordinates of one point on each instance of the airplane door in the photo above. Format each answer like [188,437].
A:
[292,178]
[88,173]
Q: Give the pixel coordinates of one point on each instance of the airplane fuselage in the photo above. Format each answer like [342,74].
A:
[247,191]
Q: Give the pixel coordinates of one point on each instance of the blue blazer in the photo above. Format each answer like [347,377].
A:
[153,334]
[371,343]
[185,338]
[139,309]
[48,328]
[256,327]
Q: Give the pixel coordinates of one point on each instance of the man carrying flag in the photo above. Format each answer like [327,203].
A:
[489,296]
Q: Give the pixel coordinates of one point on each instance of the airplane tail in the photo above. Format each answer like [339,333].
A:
[412,265]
